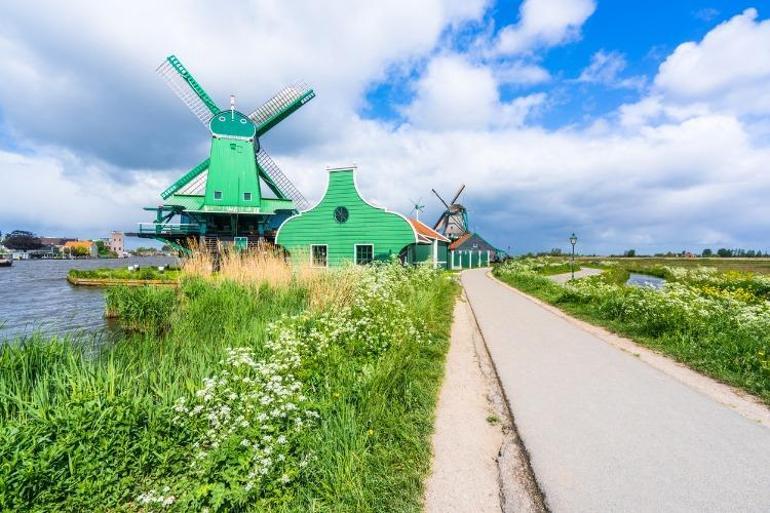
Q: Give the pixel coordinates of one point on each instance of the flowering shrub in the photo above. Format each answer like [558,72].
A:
[248,417]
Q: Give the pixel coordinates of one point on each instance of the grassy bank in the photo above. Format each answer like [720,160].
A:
[114,276]
[301,393]
[717,323]
[753,265]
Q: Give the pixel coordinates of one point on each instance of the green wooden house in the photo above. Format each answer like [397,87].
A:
[470,251]
[343,228]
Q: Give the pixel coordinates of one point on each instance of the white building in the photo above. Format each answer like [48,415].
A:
[116,243]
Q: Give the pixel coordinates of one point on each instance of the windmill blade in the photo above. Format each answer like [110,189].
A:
[285,187]
[277,108]
[440,199]
[187,89]
[457,195]
[191,183]
[441,218]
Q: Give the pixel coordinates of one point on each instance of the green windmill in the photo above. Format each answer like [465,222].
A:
[237,194]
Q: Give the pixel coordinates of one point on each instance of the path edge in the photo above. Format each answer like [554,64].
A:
[536,493]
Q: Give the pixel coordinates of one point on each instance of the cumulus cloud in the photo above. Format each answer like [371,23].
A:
[90,85]
[58,192]
[727,71]
[454,94]
[100,136]
[544,23]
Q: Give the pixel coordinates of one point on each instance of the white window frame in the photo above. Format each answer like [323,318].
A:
[355,251]
[312,260]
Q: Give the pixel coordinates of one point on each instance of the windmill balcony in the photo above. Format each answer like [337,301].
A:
[169,229]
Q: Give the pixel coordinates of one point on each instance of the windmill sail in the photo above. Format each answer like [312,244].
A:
[196,175]
[187,89]
[280,106]
[284,185]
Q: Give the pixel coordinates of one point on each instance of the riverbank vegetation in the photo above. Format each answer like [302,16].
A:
[116,276]
[641,264]
[246,390]
[715,322]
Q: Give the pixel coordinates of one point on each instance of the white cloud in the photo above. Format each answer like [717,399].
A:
[544,23]
[672,183]
[520,73]
[454,94]
[59,193]
[672,175]
[606,69]
[729,68]
[96,76]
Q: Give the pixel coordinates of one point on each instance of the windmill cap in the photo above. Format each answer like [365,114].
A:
[232,124]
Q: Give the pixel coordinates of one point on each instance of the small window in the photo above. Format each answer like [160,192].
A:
[318,255]
[364,254]
[217,195]
[341,215]
[246,196]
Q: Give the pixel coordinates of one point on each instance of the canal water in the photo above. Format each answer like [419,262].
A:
[36,297]
[645,280]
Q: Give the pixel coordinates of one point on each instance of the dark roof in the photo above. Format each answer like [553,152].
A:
[471,241]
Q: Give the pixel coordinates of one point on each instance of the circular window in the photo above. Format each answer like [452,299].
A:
[341,214]
[221,118]
[243,121]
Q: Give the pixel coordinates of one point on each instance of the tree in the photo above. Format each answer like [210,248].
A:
[707,253]
[80,251]
[629,253]
[724,253]
[22,241]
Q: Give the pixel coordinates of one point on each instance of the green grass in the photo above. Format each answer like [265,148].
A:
[145,273]
[87,429]
[730,342]
[756,265]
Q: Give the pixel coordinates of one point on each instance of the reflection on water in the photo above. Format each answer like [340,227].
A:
[35,296]
[645,280]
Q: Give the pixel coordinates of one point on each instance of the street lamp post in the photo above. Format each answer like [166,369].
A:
[573,241]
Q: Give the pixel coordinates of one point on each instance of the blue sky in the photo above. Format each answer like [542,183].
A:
[639,125]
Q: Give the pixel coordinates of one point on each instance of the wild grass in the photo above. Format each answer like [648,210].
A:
[146,273]
[147,309]
[715,322]
[106,431]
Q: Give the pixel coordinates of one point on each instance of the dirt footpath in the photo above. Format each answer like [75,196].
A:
[478,465]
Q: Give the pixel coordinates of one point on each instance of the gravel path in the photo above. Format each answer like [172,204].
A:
[607,432]
[582,273]
[465,444]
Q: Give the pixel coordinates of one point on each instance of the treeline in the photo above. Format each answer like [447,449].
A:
[733,253]
[706,253]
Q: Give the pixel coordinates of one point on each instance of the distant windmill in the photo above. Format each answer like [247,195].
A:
[417,207]
[453,222]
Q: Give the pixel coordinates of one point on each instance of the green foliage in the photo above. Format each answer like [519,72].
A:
[147,309]
[716,322]
[145,273]
[249,402]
